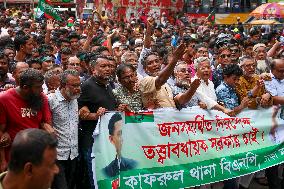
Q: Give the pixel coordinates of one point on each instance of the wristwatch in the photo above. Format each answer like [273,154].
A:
[250,94]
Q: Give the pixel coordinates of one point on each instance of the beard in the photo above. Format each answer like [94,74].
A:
[35,102]
[183,83]
[71,95]
[261,65]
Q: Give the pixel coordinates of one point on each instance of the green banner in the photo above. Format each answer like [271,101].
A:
[275,1]
[48,9]
[177,149]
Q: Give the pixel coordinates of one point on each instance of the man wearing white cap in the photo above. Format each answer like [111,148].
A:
[260,55]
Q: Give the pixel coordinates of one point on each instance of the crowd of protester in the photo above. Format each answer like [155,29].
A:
[62,78]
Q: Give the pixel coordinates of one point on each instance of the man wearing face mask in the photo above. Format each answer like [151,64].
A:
[64,107]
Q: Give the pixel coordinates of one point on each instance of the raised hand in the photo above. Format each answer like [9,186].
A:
[90,26]
[50,25]
[195,84]
[101,111]
[260,83]
[178,53]
[123,108]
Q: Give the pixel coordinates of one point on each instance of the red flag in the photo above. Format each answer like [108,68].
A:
[115,184]
[47,15]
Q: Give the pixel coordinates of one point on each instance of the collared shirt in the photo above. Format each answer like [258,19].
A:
[133,100]
[217,76]
[159,98]
[140,68]
[227,95]
[192,102]
[65,120]
[94,95]
[275,87]
[244,86]
[206,93]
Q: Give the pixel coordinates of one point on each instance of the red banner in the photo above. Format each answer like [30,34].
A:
[146,3]
[197,15]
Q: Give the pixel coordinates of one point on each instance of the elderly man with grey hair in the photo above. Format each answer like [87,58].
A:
[74,63]
[262,60]
[65,118]
[184,90]
[130,57]
[52,81]
[206,91]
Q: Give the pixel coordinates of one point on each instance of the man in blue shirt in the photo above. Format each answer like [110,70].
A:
[223,59]
[226,92]
[276,88]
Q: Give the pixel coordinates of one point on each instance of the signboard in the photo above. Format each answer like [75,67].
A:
[178,4]
[230,18]
[176,149]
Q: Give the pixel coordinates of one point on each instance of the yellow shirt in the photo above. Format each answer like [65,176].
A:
[153,98]
[244,86]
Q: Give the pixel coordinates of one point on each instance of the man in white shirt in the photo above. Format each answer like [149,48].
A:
[205,91]
[64,107]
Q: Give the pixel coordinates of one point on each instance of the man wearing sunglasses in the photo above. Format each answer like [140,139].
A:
[235,53]
[223,59]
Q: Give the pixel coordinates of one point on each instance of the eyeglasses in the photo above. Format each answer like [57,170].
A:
[202,52]
[235,50]
[225,55]
[74,64]
[250,65]
[184,70]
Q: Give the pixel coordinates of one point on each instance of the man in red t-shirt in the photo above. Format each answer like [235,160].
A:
[22,108]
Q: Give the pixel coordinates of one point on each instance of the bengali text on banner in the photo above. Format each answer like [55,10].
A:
[178,149]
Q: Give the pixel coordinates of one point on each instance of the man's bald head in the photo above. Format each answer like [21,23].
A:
[19,65]
[276,62]
[73,59]
[277,68]
[17,69]
[74,64]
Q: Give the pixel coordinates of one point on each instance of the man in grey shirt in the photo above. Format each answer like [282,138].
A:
[64,107]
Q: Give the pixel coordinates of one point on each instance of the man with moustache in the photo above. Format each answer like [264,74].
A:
[64,107]
[156,93]
[95,99]
[21,108]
